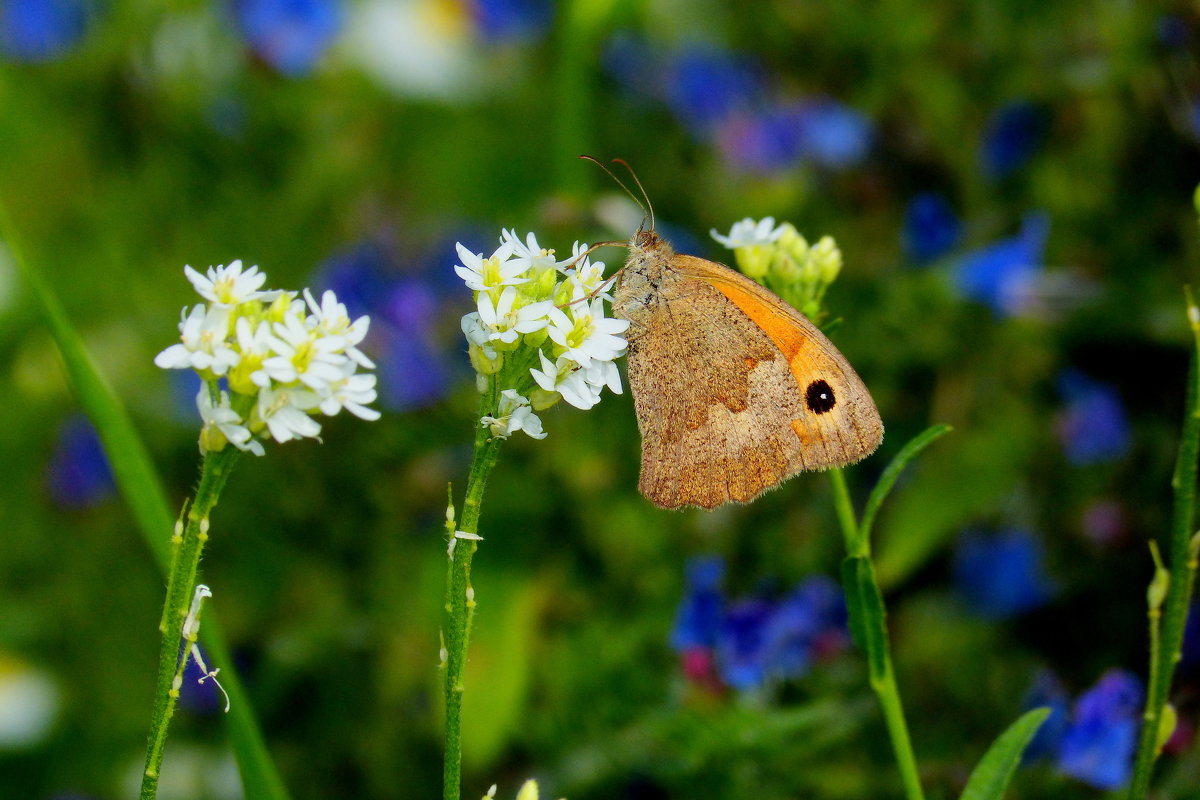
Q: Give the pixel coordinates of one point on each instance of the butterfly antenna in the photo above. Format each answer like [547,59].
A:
[624,188]
[649,208]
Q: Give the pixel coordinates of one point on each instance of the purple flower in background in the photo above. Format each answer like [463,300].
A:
[1004,275]
[1001,574]
[704,86]
[78,475]
[512,20]
[700,612]
[41,30]
[290,35]
[762,142]
[808,624]
[404,314]
[200,698]
[755,640]
[411,371]
[743,643]
[1190,656]
[1047,692]
[1099,742]
[931,228]
[1012,135]
[834,135]
[1093,426]
[633,64]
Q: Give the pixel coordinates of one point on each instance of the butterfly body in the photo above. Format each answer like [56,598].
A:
[734,390]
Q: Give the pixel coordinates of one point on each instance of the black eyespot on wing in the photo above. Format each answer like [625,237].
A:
[819,397]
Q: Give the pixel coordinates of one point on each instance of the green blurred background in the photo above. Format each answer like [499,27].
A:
[1010,184]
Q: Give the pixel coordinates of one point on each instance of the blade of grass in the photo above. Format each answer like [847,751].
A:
[143,491]
[991,776]
[890,475]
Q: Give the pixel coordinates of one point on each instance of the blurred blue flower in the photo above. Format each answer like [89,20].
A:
[633,64]
[699,615]
[1190,657]
[1047,692]
[512,20]
[1099,743]
[931,228]
[762,142]
[290,35]
[200,698]
[704,86]
[1001,574]
[1011,137]
[806,625]
[1093,427]
[1003,275]
[79,475]
[1174,33]
[743,643]
[411,364]
[834,135]
[405,315]
[41,30]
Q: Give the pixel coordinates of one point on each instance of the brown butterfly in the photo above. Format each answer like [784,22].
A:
[734,389]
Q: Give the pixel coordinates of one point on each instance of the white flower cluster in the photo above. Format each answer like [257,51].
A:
[540,330]
[283,358]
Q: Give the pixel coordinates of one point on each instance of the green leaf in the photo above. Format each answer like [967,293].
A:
[868,618]
[990,778]
[143,491]
[890,475]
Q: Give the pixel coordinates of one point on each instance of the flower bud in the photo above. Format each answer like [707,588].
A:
[754,260]
[485,363]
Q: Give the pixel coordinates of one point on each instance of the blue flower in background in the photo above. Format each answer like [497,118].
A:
[1174,33]
[1047,692]
[197,697]
[762,142]
[699,615]
[290,35]
[1093,427]
[807,624]
[1011,137]
[834,135]
[931,228]
[78,475]
[512,20]
[1003,275]
[41,30]
[633,64]
[1190,656]
[704,86]
[1001,574]
[743,643]
[1099,743]
[405,312]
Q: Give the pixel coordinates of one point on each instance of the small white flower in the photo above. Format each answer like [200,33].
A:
[203,345]
[588,334]
[285,412]
[332,319]
[481,273]
[304,355]
[585,276]
[603,373]
[228,286]
[474,330]
[515,415]
[748,233]
[254,343]
[568,379]
[225,419]
[504,323]
[352,393]
[528,255]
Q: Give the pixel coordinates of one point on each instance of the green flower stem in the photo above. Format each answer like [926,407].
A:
[867,604]
[460,598]
[181,582]
[1166,644]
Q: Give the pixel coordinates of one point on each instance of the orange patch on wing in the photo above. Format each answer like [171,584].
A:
[803,432]
[789,337]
